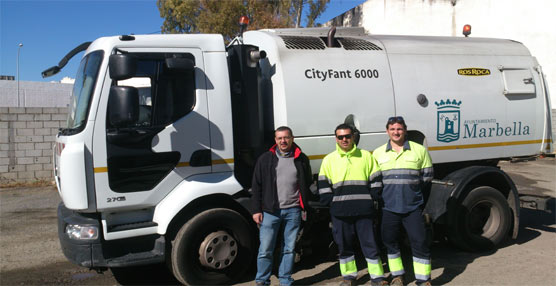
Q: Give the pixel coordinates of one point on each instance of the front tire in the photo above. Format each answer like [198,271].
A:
[482,220]
[214,247]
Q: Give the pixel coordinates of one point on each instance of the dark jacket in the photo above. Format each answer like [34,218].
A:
[264,190]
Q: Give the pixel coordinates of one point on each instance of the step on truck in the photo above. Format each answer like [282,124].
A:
[155,162]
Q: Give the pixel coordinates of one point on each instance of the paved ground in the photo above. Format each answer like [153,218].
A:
[30,253]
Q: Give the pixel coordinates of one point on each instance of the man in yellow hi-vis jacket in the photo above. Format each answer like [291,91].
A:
[406,170]
[348,180]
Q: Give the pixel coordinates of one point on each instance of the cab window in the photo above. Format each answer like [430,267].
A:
[165,95]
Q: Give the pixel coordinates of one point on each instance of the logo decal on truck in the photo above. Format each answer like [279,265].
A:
[449,124]
[473,72]
[477,129]
[448,120]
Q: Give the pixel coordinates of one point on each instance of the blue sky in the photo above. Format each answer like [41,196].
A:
[49,29]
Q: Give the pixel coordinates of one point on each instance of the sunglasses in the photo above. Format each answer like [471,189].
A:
[395,118]
[341,137]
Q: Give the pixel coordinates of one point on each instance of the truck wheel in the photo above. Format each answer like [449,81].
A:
[482,221]
[214,247]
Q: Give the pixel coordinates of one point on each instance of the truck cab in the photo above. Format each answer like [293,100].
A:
[150,124]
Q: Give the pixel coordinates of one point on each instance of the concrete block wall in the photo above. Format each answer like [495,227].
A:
[26,138]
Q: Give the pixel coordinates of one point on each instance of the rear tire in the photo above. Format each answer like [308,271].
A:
[193,241]
[482,220]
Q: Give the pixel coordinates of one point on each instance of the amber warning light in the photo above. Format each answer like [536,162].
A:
[244,20]
[467,30]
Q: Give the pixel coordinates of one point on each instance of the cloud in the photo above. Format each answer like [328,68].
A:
[67,79]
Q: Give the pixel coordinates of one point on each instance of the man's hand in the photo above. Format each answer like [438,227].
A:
[258,218]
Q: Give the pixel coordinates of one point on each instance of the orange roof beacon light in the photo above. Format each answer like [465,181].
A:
[243,22]
[467,30]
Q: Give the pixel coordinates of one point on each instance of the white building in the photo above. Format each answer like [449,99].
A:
[531,22]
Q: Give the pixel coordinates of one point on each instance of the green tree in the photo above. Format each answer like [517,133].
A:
[298,10]
[316,7]
[210,16]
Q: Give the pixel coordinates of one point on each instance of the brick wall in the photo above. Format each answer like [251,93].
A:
[26,139]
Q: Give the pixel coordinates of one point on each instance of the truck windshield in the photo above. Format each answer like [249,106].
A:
[83,89]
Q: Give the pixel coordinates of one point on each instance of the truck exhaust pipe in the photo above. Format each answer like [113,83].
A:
[330,39]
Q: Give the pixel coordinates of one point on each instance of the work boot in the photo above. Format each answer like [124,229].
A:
[426,283]
[348,283]
[380,283]
[397,281]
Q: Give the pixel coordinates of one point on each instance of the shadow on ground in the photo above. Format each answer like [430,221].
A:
[454,261]
[445,256]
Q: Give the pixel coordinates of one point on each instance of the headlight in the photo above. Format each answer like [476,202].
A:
[79,232]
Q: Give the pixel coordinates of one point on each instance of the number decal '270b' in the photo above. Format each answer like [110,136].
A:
[115,199]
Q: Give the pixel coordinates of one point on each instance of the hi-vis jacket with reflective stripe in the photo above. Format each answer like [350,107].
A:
[404,175]
[347,181]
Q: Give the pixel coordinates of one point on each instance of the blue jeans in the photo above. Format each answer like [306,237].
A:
[290,220]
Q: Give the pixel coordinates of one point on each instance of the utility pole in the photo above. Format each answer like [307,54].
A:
[18,48]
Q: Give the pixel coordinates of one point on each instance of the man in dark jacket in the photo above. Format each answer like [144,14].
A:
[280,188]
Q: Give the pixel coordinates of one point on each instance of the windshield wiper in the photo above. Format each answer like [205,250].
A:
[68,131]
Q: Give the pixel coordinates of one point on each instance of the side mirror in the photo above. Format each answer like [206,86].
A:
[180,64]
[123,106]
[51,71]
[122,66]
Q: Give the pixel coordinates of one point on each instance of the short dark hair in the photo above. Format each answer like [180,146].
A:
[344,126]
[394,120]
[283,128]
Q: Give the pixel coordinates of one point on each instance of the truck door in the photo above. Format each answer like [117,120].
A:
[140,163]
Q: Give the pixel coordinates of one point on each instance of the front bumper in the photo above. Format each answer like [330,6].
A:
[100,253]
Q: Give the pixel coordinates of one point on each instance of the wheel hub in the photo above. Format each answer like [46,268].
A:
[218,250]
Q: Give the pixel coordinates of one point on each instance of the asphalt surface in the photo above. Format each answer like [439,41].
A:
[30,253]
